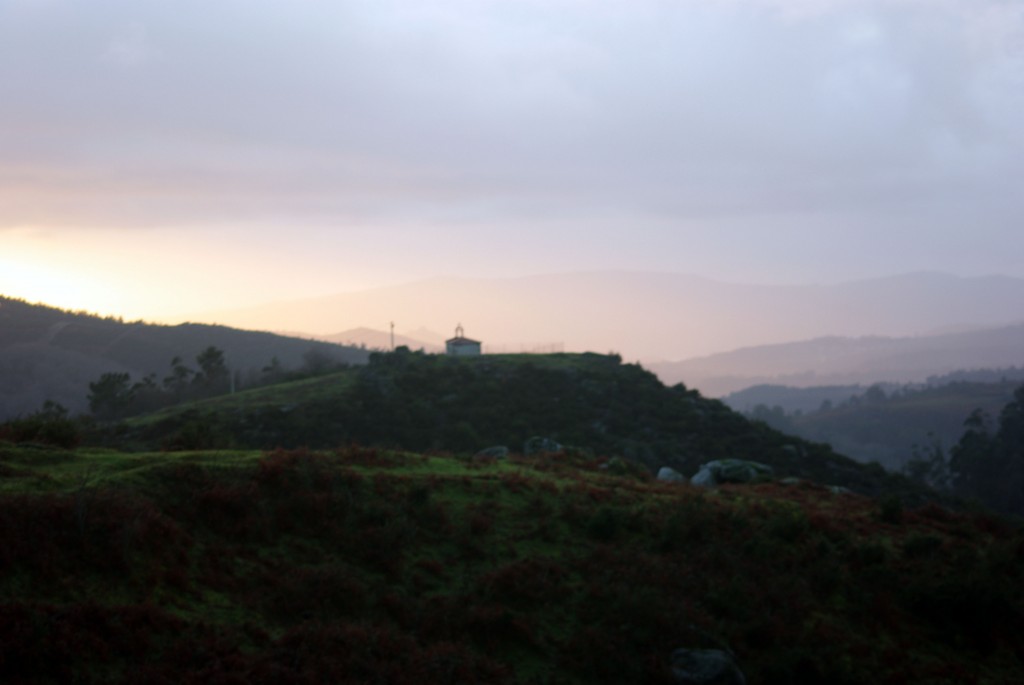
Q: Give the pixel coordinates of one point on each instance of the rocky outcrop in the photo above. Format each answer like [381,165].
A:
[539,445]
[730,471]
[667,474]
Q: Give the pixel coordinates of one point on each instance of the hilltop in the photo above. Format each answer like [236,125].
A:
[591,403]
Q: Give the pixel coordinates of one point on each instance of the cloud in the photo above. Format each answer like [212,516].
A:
[130,48]
[648,113]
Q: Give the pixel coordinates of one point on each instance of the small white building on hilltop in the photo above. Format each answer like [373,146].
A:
[461,346]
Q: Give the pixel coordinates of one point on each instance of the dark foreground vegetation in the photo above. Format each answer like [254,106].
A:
[370,566]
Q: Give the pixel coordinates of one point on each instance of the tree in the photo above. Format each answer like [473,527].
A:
[774,417]
[970,460]
[875,394]
[928,465]
[178,381]
[1011,423]
[111,395]
[316,361]
[147,395]
[1010,451]
[991,467]
[272,372]
[213,376]
[211,362]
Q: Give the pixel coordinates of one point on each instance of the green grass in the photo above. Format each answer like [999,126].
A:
[53,470]
[278,395]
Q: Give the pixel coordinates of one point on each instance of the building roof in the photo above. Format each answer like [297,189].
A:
[460,339]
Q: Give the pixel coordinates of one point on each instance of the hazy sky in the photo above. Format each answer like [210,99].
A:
[153,154]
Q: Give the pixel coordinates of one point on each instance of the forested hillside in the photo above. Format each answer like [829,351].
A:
[891,424]
[52,354]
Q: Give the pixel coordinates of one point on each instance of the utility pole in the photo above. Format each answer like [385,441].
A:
[392,336]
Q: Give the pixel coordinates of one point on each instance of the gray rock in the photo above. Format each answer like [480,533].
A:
[706,667]
[730,471]
[539,445]
[704,478]
[667,474]
[494,452]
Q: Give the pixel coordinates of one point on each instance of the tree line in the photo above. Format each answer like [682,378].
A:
[986,464]
[114,395]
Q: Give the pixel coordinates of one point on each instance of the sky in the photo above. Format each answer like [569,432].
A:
[165,158]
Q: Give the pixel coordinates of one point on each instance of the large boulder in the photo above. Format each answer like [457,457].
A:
[706,667]
[667,474]
[730,471]
[539,445]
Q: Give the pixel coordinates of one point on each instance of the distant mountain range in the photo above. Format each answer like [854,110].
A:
[52,354]
[848,361]
[858,332]
[652,316]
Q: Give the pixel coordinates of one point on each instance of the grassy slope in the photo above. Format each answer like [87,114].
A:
[359,565]
[430,402]
[279,395]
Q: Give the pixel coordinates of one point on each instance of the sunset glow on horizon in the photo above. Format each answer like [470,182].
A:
[156,166]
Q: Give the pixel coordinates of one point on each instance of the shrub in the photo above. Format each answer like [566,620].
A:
[606,524]
[48,426]
[891,510]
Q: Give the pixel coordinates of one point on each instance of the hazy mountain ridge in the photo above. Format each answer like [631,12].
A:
[810,399]
[598,311]
[378,340]
[52,354]
[849,361]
